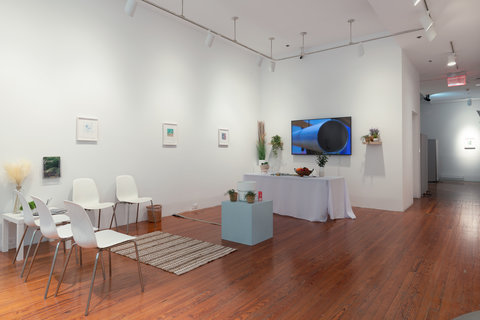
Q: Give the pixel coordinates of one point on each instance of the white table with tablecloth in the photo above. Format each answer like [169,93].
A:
[310,198]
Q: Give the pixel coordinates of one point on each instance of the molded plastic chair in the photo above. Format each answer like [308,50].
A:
[85,237]
[85,193]
[33,222]
[127,192]
[50,231]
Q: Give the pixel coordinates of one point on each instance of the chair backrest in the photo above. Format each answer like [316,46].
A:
[82,228]
[47,225]
[27,212]
[126,188]
[85,191]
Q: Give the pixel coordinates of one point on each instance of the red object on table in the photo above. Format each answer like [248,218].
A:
[259,195]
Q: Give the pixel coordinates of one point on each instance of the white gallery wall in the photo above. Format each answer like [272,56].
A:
[338,83]
[66,58]
[452,123]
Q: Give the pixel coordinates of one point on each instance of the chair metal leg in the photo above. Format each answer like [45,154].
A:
[128,215]
[114,216]
[99,213]
[65,267]
[52,268]
[28,252]
[91,284]
[138,265]
[33,258]
[20,245]
[110,262]
[138,206]
[103,265]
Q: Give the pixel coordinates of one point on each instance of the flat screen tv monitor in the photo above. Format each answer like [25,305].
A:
[328,135]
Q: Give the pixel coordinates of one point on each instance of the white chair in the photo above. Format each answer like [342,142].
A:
[33,222]
[127,192]
[50,231]
[85,193]
[85,237]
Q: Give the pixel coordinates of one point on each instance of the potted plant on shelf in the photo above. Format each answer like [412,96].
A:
[250,196]
[264,166]
[277,144]
[375,134]
[233,195]
[321,159]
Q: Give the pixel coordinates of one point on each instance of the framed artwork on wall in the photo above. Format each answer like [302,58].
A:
[51,167]
[469,143]
[170,134]
[87,129]
[223,137]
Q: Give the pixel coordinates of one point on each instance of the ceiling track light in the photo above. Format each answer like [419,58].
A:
[452,61]
[426,21]
[209,39]
[130,7]
[234,41]
[235,28]
[272,63]
[302,50]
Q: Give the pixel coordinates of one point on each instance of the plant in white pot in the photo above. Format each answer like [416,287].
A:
[264,166]
[321,160]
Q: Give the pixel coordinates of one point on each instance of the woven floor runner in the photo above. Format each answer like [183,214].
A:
[173,253]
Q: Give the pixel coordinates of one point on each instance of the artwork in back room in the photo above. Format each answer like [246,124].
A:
[87,129]
[51,167]
[469,143]
[170,134]
[223,137]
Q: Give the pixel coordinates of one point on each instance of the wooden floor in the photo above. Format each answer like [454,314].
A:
[420,264]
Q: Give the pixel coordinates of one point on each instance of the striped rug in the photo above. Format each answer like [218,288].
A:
[173,253]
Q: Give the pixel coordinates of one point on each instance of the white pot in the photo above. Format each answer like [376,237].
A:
[321,171]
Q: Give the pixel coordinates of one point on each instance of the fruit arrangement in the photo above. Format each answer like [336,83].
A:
[303,171]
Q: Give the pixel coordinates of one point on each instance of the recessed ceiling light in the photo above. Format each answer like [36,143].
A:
[287,45]
[430,60]
[419,37]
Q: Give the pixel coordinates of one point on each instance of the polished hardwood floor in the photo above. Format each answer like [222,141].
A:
[420,264]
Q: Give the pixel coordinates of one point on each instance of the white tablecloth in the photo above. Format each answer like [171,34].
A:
[310,198]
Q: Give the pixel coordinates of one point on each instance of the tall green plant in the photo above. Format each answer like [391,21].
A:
[321,159]
[261,148]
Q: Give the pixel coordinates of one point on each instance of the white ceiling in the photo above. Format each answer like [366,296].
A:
[325,22]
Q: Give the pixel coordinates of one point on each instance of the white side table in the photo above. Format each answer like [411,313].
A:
[16,218]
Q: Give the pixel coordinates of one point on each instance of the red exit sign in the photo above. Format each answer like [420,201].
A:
[457,81]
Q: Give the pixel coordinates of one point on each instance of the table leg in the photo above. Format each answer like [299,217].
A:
[4,235]
[20,231]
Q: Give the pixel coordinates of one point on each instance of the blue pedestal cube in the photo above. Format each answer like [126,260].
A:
[247,223]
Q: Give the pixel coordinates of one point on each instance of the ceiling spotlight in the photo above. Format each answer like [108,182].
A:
[130,7]
[451,60]
[302,51]
[361,50]
[427,97]
[416,2]
[259,61]
[272,66]
[431,34]
[209,39]
[426,21]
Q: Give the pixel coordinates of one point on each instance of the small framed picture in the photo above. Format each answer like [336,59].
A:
[87,129]
[170,134]
[51,167]
[223,137]
[469,143]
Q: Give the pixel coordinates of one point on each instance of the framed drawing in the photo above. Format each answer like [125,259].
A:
[51,167]
[223,137]
[87,129]
[469,143]
[170,134]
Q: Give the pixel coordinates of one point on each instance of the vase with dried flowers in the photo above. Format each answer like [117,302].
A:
[17,172]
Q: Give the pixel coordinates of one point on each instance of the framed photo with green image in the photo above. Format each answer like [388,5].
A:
[170,134]
[51,167]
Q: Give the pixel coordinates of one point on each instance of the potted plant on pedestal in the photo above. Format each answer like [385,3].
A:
[264,166]
[321,159]
[233,195]
[250,196]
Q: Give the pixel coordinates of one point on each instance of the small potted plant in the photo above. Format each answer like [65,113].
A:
[375,134]
[277,144]
[321,159]
[233,195]
[250,196]
[264,166]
